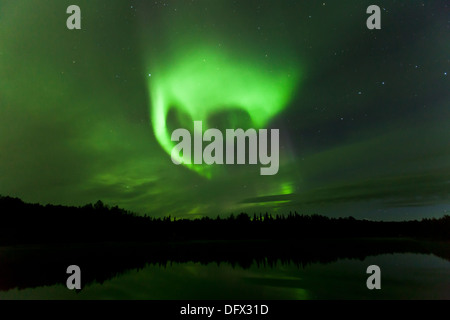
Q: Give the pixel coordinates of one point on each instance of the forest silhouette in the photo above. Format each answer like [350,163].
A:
[23,223]
[38,243]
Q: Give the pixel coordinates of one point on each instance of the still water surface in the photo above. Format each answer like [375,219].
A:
[404,276]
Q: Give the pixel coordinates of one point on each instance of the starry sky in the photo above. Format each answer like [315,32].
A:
[363,114]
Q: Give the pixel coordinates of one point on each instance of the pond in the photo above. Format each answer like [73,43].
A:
[403,276]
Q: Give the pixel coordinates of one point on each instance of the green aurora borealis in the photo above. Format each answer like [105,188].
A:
[363,115]
[203,82]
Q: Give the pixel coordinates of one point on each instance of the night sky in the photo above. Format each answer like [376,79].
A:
[363,114]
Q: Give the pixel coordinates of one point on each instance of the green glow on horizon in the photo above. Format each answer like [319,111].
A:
[205,81]
[287,188]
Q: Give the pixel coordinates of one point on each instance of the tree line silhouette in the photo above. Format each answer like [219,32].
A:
[22,223]
[107,241]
